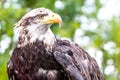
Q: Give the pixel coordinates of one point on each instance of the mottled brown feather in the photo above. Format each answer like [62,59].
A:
[33,62]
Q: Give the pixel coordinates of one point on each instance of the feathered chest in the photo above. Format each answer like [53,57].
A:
[35,55]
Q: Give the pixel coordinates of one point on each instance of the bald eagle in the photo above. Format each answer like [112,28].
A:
[40,56]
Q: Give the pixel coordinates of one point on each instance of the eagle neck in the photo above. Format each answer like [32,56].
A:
[31,35]
[48,39]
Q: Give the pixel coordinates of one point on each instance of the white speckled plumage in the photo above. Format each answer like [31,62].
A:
[35,29]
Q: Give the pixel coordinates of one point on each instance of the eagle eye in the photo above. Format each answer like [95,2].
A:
[42,15]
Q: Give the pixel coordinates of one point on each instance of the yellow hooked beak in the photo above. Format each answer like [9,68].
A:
[52,18]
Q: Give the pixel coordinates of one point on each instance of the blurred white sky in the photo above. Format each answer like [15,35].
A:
[110,8]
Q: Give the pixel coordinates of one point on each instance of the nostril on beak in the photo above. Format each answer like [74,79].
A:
[52,15]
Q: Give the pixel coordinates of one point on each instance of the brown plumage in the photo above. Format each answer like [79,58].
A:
[40,56]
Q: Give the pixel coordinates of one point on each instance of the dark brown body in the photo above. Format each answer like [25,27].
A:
[63,62]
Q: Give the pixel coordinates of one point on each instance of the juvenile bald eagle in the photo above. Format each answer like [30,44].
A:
[40,56]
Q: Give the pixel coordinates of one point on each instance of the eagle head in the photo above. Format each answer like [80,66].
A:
[35,25]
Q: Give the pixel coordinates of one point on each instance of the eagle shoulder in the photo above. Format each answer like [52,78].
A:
[76,62]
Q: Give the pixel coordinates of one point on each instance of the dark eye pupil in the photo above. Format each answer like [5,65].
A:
[42,15]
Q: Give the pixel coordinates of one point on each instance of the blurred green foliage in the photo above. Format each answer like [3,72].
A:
[107,31]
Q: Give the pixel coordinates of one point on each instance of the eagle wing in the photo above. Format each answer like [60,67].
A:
[77,63]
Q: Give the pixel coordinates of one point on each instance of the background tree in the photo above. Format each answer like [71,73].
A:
[84,22]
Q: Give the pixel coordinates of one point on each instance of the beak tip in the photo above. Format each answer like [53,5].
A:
[60,24]
[59,21]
